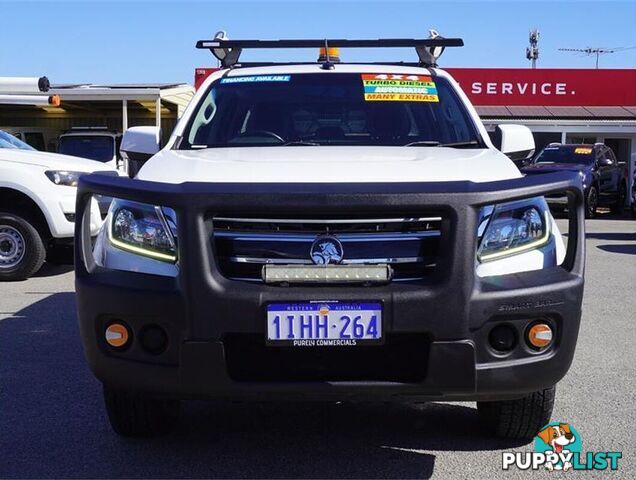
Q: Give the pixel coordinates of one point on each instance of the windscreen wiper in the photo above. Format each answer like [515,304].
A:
[301,143]
[423,143]
[434,143]
[469,143]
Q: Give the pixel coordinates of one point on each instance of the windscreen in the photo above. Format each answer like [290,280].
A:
[9,141]
[100,148]
[330,109]
[574,154]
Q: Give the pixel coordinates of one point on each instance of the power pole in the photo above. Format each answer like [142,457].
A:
[532,52]
[589,51]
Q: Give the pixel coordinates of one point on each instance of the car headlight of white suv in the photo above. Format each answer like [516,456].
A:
[513,228]
[138,237]
[64,177]
[143,229]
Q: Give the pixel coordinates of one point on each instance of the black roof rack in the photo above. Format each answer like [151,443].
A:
[229,51]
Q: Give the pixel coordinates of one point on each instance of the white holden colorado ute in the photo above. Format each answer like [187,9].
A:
[329,230]
[37,204]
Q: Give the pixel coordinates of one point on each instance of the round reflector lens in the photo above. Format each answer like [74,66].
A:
[116,335]
[502,338]
[153,339]
[540,335]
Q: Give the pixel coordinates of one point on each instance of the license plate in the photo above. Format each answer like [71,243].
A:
[324,324]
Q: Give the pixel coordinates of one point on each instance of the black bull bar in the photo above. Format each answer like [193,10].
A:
[457,301]
[458,202]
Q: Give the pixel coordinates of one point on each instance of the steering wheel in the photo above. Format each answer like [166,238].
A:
[262,133]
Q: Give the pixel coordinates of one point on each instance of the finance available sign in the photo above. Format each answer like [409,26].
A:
[547,86]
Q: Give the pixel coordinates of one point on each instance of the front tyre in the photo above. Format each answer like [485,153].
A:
[134,414]
[591,203]
[22,250]
[522,418]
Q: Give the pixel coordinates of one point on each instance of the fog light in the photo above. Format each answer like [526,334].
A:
[153,339]
[502,338]
[116,335]
[540,335]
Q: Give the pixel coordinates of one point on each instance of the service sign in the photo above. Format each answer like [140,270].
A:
[547,86]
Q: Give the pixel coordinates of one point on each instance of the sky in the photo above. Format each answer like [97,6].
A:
[153,41]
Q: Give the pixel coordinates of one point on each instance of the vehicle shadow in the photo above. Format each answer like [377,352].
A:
[626,249]
[53,423]
[52,269]
[60,255]
[612,236]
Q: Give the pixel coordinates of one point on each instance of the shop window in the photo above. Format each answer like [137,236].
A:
[542,139]
[621,148]
[36,140]
[580,139]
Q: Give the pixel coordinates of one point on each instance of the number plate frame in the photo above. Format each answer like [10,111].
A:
[314,307]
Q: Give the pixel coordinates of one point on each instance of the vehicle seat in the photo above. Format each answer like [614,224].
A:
[388,122]
[330,133]
[271,118]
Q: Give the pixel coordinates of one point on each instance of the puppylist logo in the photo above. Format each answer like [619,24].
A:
[558,446]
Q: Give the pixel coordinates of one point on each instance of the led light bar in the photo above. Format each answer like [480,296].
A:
[327,273]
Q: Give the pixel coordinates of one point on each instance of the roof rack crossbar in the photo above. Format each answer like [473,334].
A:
[229,51]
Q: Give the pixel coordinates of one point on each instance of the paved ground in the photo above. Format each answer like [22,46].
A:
[52,423]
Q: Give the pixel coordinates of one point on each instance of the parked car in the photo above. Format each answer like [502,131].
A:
[333,231]
[37,204]
[42,139]
[99,144]
[604,179]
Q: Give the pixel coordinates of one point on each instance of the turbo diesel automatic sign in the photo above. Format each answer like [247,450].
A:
[390,87]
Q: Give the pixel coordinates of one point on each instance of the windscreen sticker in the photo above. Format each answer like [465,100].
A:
[257,78]
[583,150]
[389,87]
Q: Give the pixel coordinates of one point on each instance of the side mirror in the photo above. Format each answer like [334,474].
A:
[138,145]
[604,162]
[516,141]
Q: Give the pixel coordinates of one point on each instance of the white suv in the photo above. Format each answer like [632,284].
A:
[335,231]
[97,144]
[37,204]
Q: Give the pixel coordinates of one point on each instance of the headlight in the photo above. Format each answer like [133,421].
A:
[64,177]
[143,229]
[512,228]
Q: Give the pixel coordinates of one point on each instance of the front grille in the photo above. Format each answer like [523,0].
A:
[402,358]
[243,245]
